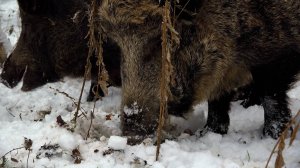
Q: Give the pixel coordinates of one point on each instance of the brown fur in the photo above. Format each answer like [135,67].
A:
[43,51]
[220,47]
[53,45]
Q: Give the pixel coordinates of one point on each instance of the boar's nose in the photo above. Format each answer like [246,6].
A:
[6,83]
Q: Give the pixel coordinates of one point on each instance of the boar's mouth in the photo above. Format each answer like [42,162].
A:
[11,79]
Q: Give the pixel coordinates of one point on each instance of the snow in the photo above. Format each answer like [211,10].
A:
[132,111]
[4,40]
[33,115]
[117,142]
[9,19]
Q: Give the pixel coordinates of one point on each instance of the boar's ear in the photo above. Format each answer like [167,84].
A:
[45,8]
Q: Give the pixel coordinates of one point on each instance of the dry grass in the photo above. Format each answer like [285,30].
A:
[166,70]
[280,145]
[95,48]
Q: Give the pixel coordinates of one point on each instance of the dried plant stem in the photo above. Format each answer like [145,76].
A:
[280,144]
[95,47]
[63,93]
[87,70]
[164,78]
[183,8]
[91,123]
[29,150]
[12,150]
[87,66]
[71,98]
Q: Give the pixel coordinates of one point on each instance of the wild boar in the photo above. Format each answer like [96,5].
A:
[53,45]
[224,45]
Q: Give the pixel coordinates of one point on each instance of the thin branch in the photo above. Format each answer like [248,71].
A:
[12,150]
[71,98]
[28,157]
[183,8]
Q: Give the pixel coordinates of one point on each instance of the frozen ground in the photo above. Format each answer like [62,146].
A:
[33,115]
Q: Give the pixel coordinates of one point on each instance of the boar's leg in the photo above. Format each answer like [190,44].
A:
[273,80]
[273,89]
[277,114]
[218,118]
[275,104]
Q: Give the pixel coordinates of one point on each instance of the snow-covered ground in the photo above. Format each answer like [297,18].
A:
[33,115]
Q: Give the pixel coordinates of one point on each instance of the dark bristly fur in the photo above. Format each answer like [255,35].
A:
[53,45]
[224,46]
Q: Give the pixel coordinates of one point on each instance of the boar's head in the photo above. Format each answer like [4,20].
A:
[136,27]
[51,44]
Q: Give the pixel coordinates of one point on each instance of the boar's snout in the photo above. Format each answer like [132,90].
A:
[11,74]
[140,119]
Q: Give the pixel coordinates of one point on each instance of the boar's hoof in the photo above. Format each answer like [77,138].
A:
[219,128]
[92,96]
[274,129]
[250,102]
[200,133]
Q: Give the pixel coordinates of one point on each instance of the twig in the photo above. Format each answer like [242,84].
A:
[95,44]
[12,150]
[183,8]
[71,98]
[74,120]
[29,150]
[91,123]
[63,93]
[3,157]
[90,53]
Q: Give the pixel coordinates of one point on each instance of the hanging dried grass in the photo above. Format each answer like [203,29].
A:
[95,47]
[169,35]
